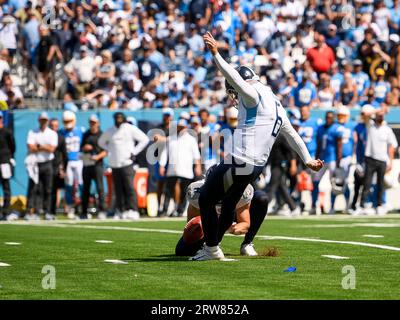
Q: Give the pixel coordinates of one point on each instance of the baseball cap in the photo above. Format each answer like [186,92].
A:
[93,118]
[343,110]
[195,120]
[380,72]
[84,48]
[68,115]
[367,109]
[182,123]
[274,56]
[44,115]
[184,115]
[357,62]
[168,111]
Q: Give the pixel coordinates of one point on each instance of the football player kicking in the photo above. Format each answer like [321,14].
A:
[251,211]
[261,119]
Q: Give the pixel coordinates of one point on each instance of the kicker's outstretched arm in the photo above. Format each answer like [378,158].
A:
[244,89]
[298,145]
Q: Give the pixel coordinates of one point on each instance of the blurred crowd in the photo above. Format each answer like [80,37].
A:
[150,54]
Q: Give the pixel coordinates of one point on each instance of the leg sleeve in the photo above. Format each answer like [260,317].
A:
[258,212]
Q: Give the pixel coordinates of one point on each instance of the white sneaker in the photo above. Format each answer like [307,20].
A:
[248,250]
[368,211]
[12,217]
[49,217]
[71,214]
[208,253]
[381,211]
[102,216]
[117,215]
[296,212]
[356,212]
[32,217]
[130,215]
[284,213]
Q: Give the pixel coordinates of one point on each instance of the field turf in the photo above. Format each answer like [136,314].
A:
[153,272]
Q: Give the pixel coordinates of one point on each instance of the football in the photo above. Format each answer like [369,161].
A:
[193,231]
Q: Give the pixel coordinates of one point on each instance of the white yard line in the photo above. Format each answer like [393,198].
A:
[12,243]
[2,264]
[355,243]
[67,225]
[373,236]
[353,225]
[331,256]
[113,261]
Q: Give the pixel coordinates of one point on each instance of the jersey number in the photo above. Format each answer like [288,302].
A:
[278,122]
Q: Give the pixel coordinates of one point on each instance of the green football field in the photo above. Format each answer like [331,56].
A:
[363,261]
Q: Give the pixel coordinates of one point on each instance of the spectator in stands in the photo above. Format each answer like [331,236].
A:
[9,33]
[10,93]
[148,70]
[59,166]
[42,144]
[326,94]
[7,150]
[4,66]
[379,153]
[305,94]
[182,153]
[348,91]
[321,56]
[361,79]
[274,73]
[105,72]
[123,142]
[80,72]
[380,86]
[92,157]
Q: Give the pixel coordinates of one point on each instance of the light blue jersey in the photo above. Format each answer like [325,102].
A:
[327,136]
[362,82]
[73,139]
[308,132]
[346,133]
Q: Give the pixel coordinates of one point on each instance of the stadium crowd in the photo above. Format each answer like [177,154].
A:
[129,55]
[150,54]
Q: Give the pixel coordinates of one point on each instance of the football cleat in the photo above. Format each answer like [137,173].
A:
[248,250]
[208,253]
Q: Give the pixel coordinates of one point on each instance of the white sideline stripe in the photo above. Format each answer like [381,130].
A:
[331,256]
[104,241]
[228,259]
[113,261]
[2,264]
[373,236]
[356,243]
[12,243]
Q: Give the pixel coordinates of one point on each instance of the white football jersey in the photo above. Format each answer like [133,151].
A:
[258,126]
[193,193]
